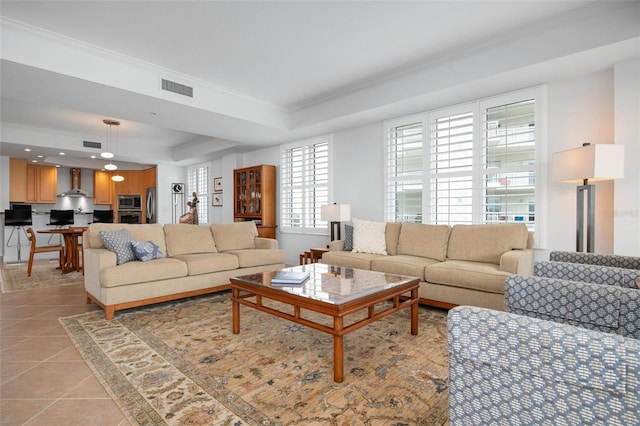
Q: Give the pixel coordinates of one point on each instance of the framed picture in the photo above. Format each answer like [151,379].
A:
[217,185]
[216,199]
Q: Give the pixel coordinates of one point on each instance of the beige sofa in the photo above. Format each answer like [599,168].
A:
[198,260]
[459,265]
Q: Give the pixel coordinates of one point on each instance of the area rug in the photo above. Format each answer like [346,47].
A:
[14,277]
[180,363]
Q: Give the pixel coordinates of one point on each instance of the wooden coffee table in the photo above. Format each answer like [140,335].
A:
[333,291]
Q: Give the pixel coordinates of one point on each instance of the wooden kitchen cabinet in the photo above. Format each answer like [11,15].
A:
[149,178]
[17,180]
[102,187]
[42,184]
[132,183]
[254,197]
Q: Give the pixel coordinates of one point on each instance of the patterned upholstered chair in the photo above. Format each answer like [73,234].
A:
[607,308]
[628,262]
[599,274]
[510,369]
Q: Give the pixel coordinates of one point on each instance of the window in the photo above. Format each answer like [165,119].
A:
[198,182]
[472,163]
[304,177]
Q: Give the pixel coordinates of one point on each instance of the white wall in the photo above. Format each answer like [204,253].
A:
[167,175]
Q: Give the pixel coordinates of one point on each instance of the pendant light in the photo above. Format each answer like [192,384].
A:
[110,166]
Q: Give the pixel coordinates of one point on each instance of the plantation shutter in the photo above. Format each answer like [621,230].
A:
[304,177]
[451,168]
[404,172]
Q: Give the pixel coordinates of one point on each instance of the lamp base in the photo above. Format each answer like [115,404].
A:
[333,226]
[590,190]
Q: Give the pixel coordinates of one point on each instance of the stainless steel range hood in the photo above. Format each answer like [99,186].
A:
[76,180]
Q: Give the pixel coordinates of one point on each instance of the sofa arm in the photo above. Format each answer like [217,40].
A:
[511,369]
[95,260]
[266,243]
[606,308]
[588,273]
[517,262]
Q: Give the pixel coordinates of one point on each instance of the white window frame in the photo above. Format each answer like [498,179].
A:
[478,108]
[312,224]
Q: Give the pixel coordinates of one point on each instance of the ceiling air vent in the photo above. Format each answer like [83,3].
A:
[178,88]
[89,144]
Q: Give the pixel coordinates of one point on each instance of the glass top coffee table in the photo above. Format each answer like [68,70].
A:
[333,291]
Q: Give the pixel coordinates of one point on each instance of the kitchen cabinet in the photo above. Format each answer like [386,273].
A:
[102,187]
[17,180]
[254,197]
[42,184]
[132,183]
[149,178]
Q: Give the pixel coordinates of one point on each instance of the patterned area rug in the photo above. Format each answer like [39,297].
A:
[14,277]
[179,363]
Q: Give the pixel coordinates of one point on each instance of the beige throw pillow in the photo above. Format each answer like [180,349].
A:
[369,237]
[417,239]
[182,238]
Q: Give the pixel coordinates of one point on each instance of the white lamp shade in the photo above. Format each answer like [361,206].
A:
[335,212]
[592,162]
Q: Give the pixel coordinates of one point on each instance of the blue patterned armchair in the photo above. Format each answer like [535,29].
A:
[611,275]
[510,369]
[628,262]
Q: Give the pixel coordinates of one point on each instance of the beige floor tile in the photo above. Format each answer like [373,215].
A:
[18,412]
[30,327]
[35,348]
[89,388]
[94,412]
[47,380]
[9,370]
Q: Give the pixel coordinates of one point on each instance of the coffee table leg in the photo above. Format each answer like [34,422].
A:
[235,306]
[414,312]
[338,351]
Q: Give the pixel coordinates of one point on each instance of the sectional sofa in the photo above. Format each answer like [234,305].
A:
[459,265]
[183,261]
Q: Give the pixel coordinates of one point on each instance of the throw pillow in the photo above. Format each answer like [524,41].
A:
[119,242]
[348,238]
[369,237]
[146,250]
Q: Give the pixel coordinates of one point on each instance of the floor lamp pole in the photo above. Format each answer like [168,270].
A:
[590,190]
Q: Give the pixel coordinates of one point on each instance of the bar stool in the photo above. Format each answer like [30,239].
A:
[18,219]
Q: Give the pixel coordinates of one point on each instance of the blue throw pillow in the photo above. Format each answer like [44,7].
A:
[119,242]
[348,238]
[146,250]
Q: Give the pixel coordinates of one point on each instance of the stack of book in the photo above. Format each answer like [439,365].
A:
[289,278]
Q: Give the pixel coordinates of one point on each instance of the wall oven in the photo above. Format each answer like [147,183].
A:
[130,216]
[129,202]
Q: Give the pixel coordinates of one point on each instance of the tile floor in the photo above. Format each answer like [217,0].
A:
[43,378]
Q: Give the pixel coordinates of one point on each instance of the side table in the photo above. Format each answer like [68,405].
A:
[312,256]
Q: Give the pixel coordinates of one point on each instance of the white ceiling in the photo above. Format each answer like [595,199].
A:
[263,72]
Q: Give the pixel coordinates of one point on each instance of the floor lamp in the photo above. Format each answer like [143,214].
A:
[589,163]
[334,214]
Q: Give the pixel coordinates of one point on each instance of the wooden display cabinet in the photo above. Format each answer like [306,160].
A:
[254,197]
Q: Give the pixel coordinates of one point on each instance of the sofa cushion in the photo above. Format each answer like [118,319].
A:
[419,239]
[349,259]
[391,235]
[119,242]
[369,237]
[185,238]
[472,275]
[146,250]
[486,243]
[234,236]
[259,257]
[140,272]
[413,266]
[205,263]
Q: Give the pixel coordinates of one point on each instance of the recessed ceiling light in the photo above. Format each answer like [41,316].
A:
[106,155]
[93,156]
[62,153]
[34,161]
[40,156]
[28,149]
[57,165]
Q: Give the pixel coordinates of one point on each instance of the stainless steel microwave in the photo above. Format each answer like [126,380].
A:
[129,202]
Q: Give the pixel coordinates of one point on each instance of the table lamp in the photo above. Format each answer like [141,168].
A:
[593,163]
[334,214]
